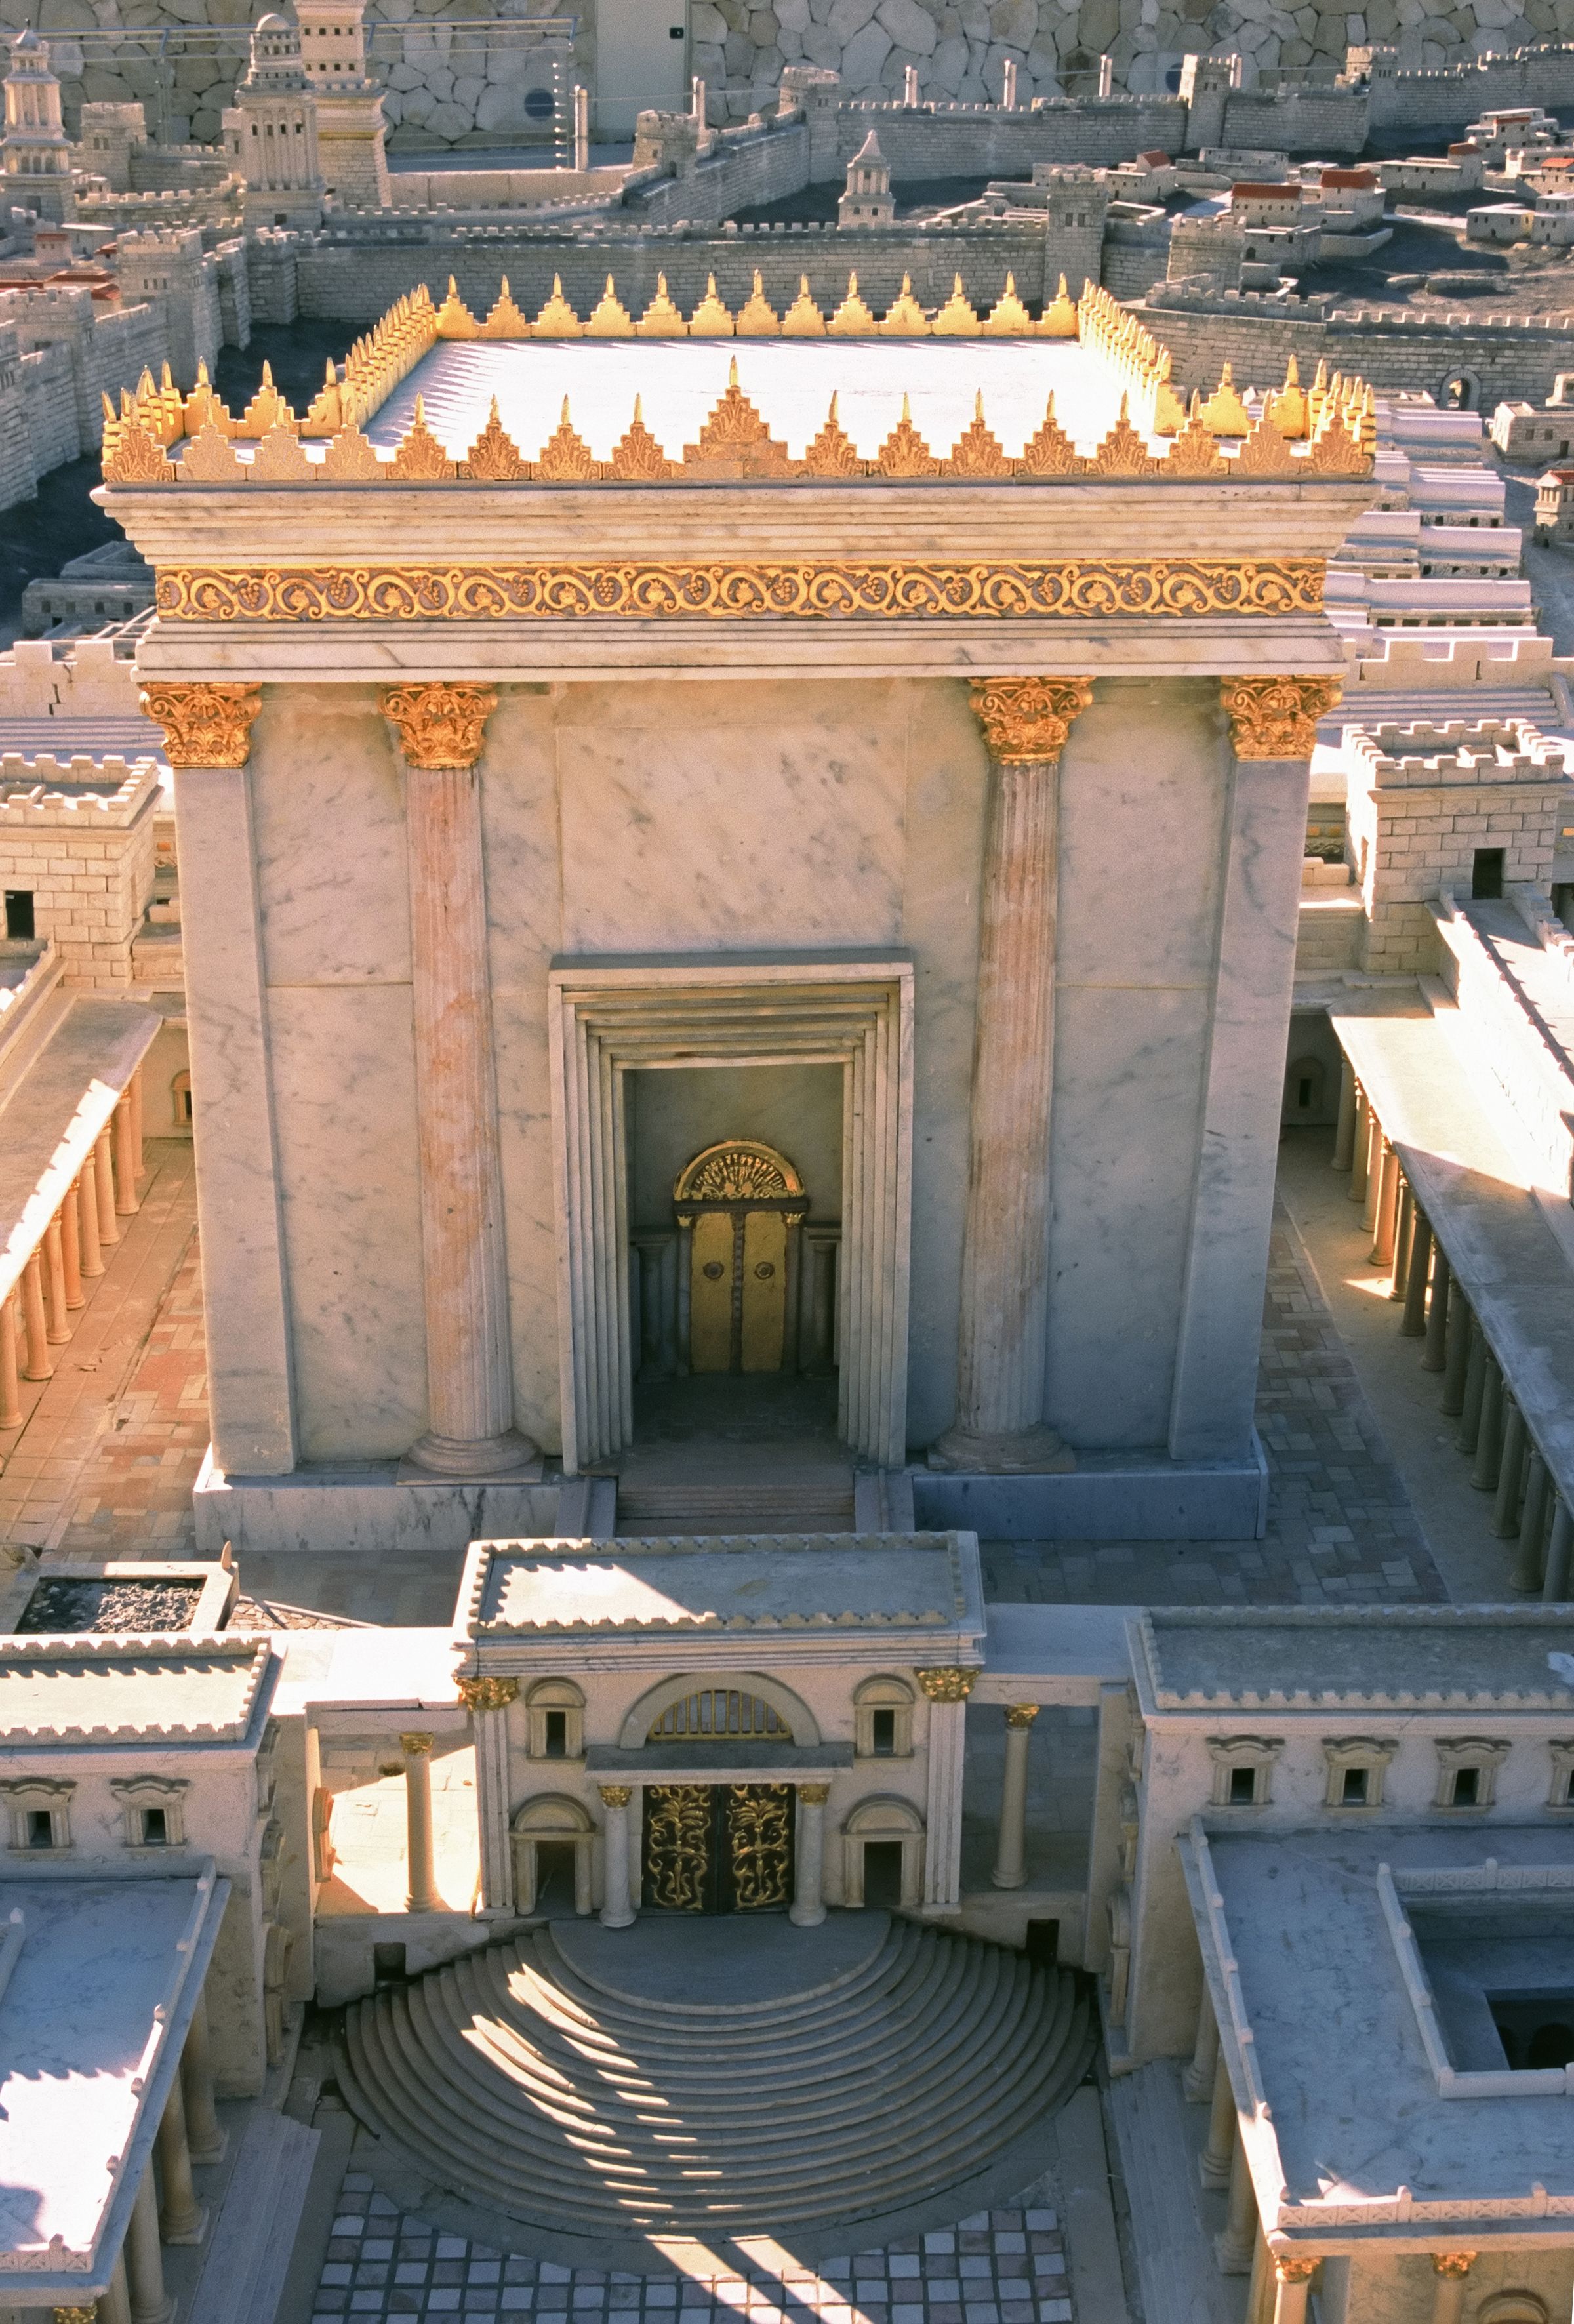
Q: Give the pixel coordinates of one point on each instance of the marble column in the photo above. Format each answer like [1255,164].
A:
[1292,2284]
[54,1277]
[1356,1192]
[183,2220]
[1343,1136]
[115,2308]
[808,1905]
[418,1808]
[1525,1580]
[470,1396]
[1467,1380]
[1489,1425]
[616,1912]
[206,2135]
[1011,1845]
[1234,2248]
[1213,2165]
[1559,1541]
[1001,1345]
[104,1189]
[1412,1323]
[1505,1518]
[1199,2076]
[87,1216]
[1450,2272]
[1385,1216]
[127,1201]
[35,1322]
[947,1691]
[487,1700]
[10,1374]
[71,1250]
[208,731]
[1436,1358]
[144,2261]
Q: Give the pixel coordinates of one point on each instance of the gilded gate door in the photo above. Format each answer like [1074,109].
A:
[739,1206]
[718,1847]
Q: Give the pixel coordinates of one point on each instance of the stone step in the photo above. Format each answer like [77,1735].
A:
[509,2078]
[816,1505]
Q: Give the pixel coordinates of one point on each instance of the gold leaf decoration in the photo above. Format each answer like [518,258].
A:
[609,318]
[454,319]
[905,319]
[1049,451]
[204,726]
[1224,413]
[1194,452]
[1025,719]
[833,453]
[803,319]
[325,415]
[136,457]
[1335,452]
[637,457]
[495,458]
[565,459]
[421,459]
[209,458]
[1008,319]
[266,410]
[956,319]
[439,724]
[1265,453]
[976,452]
[1276,717]
[735,440]
[280,460]
[1123,452]
[505,321]
[710,319]
[1059,319]
[202,409]
[1288,409]
[350,460]
[852,319]
[661,319]
[903,452]
[557,319]
[757,317]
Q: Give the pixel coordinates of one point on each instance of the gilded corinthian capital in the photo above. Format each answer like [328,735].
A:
[440,725]
[1276,717]
[204,726]
[1027,718]
[946,1684]
[488,1693]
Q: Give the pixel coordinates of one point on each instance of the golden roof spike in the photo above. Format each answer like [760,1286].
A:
[453,288]
[638,411]
[202,378]
[732,373]
[1291,374]
[564,421]
[1063,291]
[978,404]
[905,413]
[267,377]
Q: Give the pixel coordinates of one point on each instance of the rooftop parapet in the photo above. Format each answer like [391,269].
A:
[1429,755]
[44,791]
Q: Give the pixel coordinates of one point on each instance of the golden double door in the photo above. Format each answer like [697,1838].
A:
[742,1205]
[718,1847]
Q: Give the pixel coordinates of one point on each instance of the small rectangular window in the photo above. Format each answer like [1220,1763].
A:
[20,924]
[1354,1794]
[41,1828]
[1243,1787]
[1466,1786]
[155,1829]
[556,1734]
[1486,874]
[883,1733]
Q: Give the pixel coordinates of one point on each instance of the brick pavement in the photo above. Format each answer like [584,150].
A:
[1006,2266]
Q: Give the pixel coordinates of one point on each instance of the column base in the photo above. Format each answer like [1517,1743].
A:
[610,1920]
[806,1916]
[1009,1880]
[1018,1453]
[189,2230]
[442,1458]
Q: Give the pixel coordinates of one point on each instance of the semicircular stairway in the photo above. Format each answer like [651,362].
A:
[549,2086]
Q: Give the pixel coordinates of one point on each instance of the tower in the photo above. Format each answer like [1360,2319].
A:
[869,199]
[35,159]
[1206,83]
[271,131]
[349,104]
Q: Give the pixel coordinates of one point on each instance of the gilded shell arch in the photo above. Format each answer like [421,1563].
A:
[738,1170]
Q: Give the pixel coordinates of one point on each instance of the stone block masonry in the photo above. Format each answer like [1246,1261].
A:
[79,839]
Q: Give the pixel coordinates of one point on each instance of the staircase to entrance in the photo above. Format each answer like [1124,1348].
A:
[735,1455]
[589,2094]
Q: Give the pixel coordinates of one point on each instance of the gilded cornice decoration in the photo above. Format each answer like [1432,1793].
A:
[1276,717]
[204,726]
[946,1685]
[440,725]
[876,589]
[1027,718]
[488,1693]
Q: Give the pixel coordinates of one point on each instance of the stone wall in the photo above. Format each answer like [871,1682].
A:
[87,858]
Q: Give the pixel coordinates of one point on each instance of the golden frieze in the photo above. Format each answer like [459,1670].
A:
[204,726]
[874,589]
[1276,717]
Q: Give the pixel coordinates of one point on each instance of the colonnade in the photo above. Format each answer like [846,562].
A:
[166,2209]
[36,1315]
[1529,1509]
[1282,2280]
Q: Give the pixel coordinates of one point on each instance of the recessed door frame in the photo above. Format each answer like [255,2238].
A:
[606,1020]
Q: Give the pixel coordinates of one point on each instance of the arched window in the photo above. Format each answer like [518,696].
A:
[555,1708]
[180,1101]
[690,1707]
[882,1711]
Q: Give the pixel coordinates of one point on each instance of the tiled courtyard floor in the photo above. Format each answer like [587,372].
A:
[998,2267]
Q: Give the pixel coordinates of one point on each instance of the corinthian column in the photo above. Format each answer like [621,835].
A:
[1005,1261]
[470,1399]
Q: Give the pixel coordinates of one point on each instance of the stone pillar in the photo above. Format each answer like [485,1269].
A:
[133,1098]
[87,1217]
[487,1700]
[1343,1136]
[1376,1146]
[418,1808]
[183,2220]
[1213,2165]
[1292,2284]
[104,1190]
[470,1396]
[1412,1323]
[35,1322]
[1011,1849]
[71,1250]
[1449,2270]
[947,1691]
[1199,2078]
[1273,728]
[1436,1358]
[1385,1214]
[1234,2248]
[1360,1152]
[1005,1261]
[1403,1220]
[808,1905]
[205,2135]
[144,2261]
[1526,1576]
[1472,1362]
[10,1374]
[1489,1430]
[1555,1588]
[115,2308]
[127,1201]
[250,1375]
[1505,1518]
[616,1912]
[54,1276]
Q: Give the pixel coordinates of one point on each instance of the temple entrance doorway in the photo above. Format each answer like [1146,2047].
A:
[739,1206]
[718,1847]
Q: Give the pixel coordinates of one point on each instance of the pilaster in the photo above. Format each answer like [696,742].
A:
[487,1700]
[948,1691]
